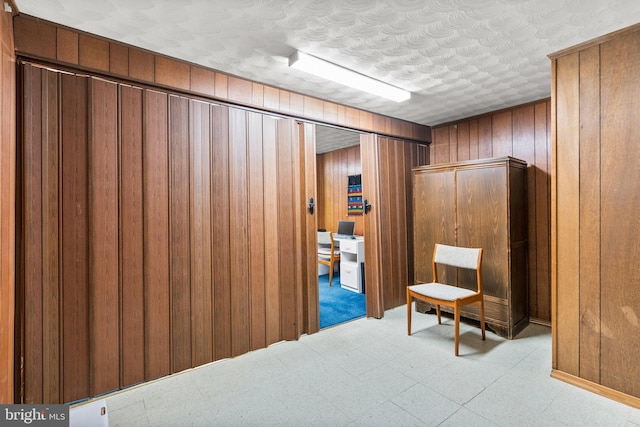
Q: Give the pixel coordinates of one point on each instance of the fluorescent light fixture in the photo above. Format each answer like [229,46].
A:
[327,70]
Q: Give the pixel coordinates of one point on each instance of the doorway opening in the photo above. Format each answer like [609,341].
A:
[339,202]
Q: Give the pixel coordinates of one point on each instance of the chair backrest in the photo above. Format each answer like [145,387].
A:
[457,257]
[324,238]
[470,258]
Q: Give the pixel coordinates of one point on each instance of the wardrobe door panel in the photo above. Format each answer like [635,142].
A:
[481,216]
[434,220]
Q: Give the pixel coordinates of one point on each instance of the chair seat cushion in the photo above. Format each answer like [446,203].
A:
[327,252]
[441,291]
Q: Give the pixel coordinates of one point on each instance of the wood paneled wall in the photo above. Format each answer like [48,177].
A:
[160,233]
[396,159]
[334,169]
[40,39]
[522,132]
[7,205]
[596,193]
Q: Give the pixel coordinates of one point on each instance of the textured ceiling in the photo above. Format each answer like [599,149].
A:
[331,139]
[458,57]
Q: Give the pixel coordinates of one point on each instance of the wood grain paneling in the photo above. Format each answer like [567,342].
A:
[485,145]
[387,211]
[221,86]
[453,143]
[311,297]
[179,233]
[203,81]
[8,151]
[256,232]
[595,275]
[161,233]
[442,152]
[370,153]
[156,235]
[485,190]
[37,38]
[442,227]
[299,224]
[67,46]
[620,196]
[240,90]
[93,52]
[401,193]
[271,98]
[524,132]
[523,120]
[589,175]
[474,141]
[539,291]
[74,236]
[339,187]
[286,156]
[201,234]
[443,211]
[41,281]
[239,227]
[131,237]
[284,98]
[393,162]
[295,103]
[141,65]
[568,182]
[172,73]
[335,168]
[50,236]
[32,292]
[118,59]
[257,93]
[501,134]
[313,108]
[463,143]
[272,230]
[103,238]
[220,189]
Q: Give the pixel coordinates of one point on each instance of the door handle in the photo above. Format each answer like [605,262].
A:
[311,205]
[367,206]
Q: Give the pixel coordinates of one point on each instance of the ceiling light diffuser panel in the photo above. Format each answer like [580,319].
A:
[326,70]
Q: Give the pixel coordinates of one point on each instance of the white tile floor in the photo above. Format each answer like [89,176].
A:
[370,373]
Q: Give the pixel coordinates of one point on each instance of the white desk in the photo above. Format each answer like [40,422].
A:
[351,258]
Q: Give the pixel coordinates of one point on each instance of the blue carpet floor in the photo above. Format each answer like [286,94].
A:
[338,305]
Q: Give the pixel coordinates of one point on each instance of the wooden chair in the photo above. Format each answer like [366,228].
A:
[327,252]
[448,295]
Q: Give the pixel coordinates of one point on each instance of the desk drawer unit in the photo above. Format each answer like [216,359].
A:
[350,276]
[350,246]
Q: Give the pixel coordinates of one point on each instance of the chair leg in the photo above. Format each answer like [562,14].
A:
[482,318]
[438,312]
[330,273]
[456,337]
[408,312]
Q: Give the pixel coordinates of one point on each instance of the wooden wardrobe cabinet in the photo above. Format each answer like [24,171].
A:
[478,203]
